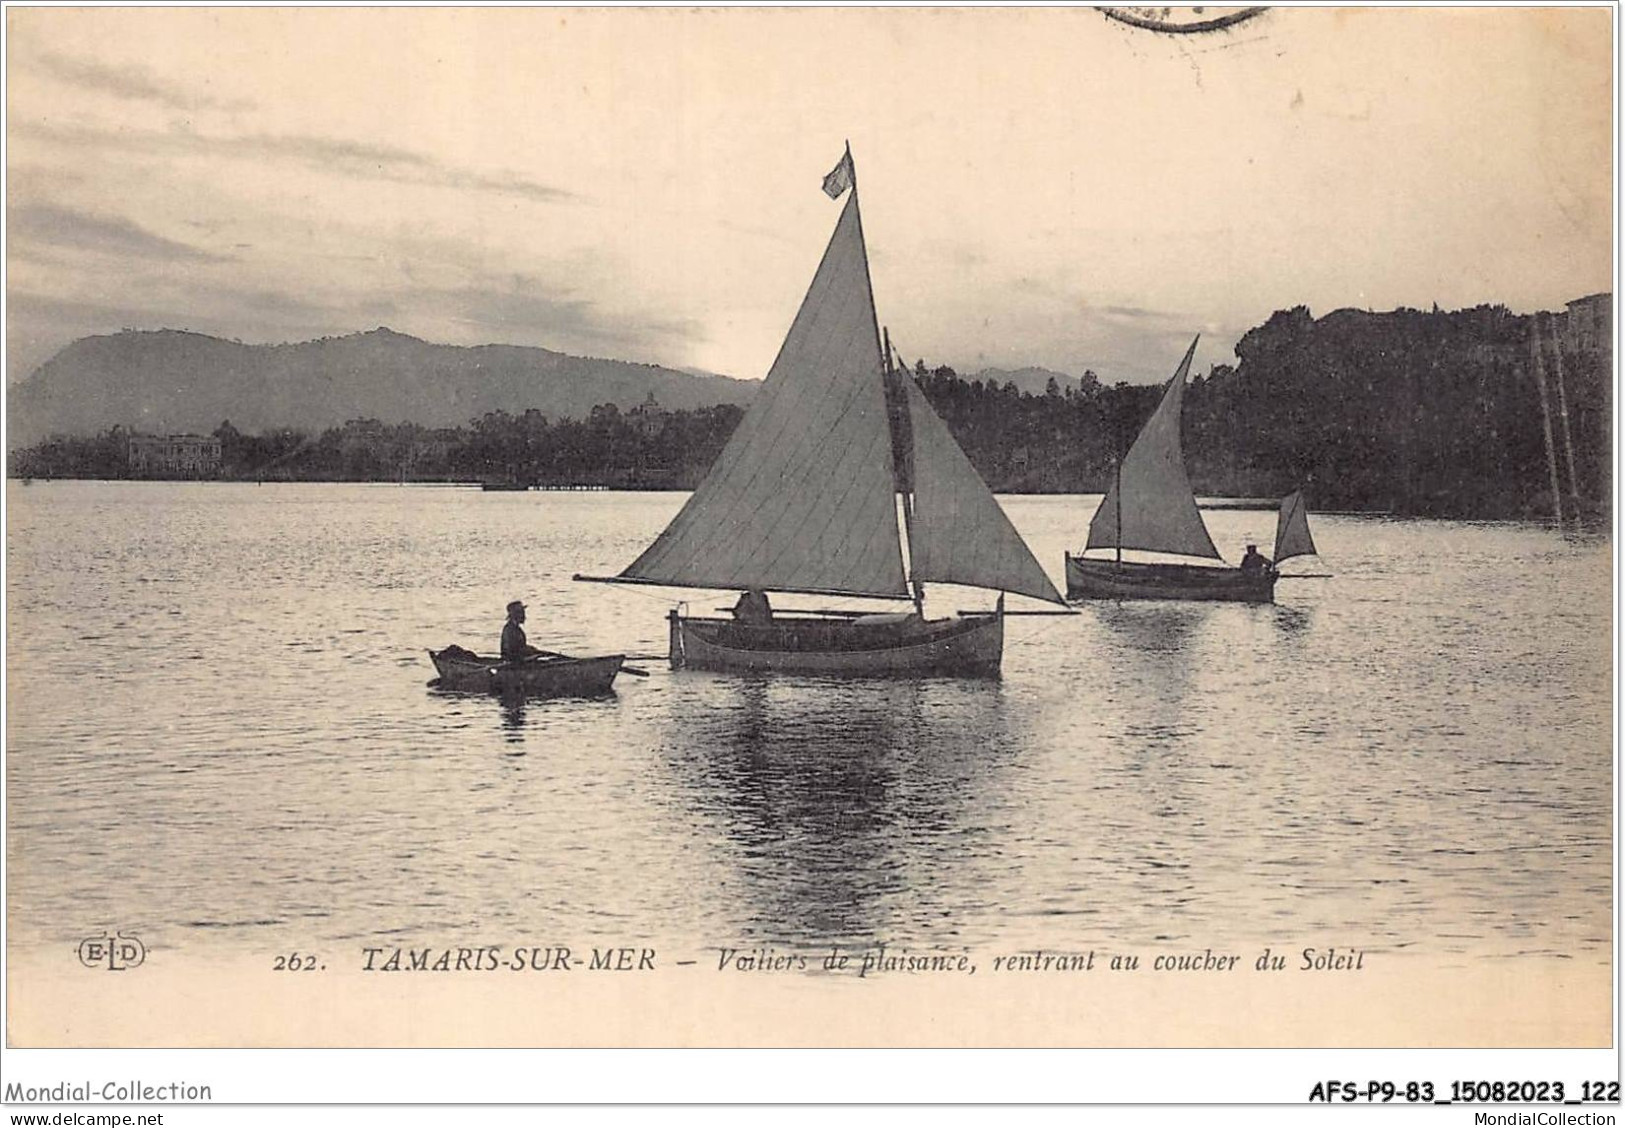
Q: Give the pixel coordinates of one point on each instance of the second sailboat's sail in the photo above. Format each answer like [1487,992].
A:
[1150,505]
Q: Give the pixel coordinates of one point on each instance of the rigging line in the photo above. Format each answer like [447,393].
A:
[902,383]
[631,589]
[882,352]
[1026,638]
[868,281]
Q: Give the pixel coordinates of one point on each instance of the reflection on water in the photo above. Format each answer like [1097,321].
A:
[1411,755]
[513,717]
[1293,622]
[517,710]
[1149,628]
[839,801]
[1158,646]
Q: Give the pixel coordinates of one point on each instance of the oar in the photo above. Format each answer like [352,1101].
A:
[1304,576]
[625,669]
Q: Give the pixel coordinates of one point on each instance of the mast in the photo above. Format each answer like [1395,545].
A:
[1546,418]
[906,488]
[1118,493]
[857,209]
[883,347]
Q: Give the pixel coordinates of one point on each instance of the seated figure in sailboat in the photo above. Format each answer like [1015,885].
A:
[753,609]
[1254,560]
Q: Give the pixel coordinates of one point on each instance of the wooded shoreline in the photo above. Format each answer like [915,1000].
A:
[1442,414]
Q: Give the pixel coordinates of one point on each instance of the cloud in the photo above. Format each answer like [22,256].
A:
[1138,344]
[252,312]
[57,227]
[385,162]
[356,159]
[523,310]
[516,310]
[131,82]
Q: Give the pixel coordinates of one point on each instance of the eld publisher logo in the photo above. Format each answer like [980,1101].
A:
[116,953]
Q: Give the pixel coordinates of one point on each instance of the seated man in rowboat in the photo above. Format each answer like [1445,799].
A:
[753,609]
[514,646]
[1254,561]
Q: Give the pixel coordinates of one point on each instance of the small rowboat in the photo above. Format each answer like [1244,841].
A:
[544,675]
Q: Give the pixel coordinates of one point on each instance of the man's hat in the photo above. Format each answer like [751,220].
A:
[515,606]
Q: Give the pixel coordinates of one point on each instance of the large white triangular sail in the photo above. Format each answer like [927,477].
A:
[802,498]
[1158,509]
[959,534]
[1292,529]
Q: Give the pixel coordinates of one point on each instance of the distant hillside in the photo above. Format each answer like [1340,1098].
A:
[170,381]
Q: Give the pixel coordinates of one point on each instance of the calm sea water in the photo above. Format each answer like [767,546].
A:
[220,738]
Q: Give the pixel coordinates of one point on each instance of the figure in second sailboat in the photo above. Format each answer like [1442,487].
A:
[1150,506]
[804,499]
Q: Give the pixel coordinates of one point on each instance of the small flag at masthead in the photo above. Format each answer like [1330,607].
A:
[840,177]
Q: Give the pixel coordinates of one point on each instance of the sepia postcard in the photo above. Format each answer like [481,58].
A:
[1059,528]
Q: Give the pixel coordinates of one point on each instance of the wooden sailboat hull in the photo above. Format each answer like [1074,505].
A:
[553,677]
[1108,579]
[971,646]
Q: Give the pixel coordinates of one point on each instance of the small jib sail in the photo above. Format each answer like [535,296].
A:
[1150,504]
[1292,529]
[960,535]
[803,497]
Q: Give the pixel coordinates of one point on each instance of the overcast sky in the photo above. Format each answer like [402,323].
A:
[1039,187]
